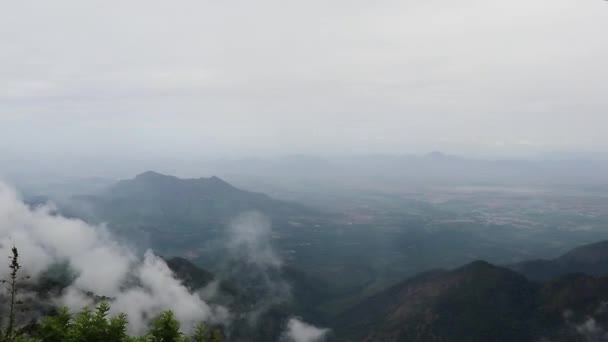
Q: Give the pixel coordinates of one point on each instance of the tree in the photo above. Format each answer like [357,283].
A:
[93,326]
[201,333]
[165,329]
[12,288]
[56,328]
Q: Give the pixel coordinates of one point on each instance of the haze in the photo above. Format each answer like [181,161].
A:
[304,171]
[192,79]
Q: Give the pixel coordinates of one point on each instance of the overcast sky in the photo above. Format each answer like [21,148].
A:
[267,77]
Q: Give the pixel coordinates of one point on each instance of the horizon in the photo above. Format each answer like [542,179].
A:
[485,79]
[304,171]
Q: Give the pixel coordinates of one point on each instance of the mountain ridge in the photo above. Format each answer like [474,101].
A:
[179,216]
[480,301]
[591,259]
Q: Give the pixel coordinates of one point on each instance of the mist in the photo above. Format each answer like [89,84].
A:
[254,261]
[298,331]
[141,287]
[309,171]
[480,78]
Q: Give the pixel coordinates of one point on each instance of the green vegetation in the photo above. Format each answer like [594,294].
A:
[370,240]
[93,325]
[341,266]
[12,287]
[96,326]
[479,302]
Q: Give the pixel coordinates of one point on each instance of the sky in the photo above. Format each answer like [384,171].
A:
[235,78]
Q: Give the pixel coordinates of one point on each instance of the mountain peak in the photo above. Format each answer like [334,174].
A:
[151,175]
[153,178]
[595,252]
[216,179]
[436,155]
[478,265]
[216,182]
[483,270]
[589,259]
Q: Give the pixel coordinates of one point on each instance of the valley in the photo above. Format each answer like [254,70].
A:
[330,260]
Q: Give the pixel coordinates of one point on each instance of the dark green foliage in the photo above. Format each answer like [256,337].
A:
[201,333]
[96,326]
[12,287]
[155,201]
[589,259]
[478,302]
[56,328]
[165,329]
[191,276]
[204,334]
[93,326]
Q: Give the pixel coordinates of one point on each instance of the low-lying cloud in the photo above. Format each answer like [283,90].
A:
[253,261]
[592,331]
[140,287]
[250,244]
[250,241]
[299,331]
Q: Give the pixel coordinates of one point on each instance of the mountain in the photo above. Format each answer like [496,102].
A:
[480,302]
[475,301]
[192,276]
[244,303]
[174,215]
[435,168]
[151,196]
[589,259]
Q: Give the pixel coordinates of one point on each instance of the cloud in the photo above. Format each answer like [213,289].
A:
[142,288]
[592,331]
[299,331]
[250,241]
[250,245]
[253,262]
[212,77]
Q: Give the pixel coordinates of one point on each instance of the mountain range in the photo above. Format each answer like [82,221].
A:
[589,259]
[154,197]
[476,302]
[171,214]
[561,299]
[552,300]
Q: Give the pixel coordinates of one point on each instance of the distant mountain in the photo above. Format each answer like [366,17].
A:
[155,197]
[588,259]
[152,208]
[435,168]
[192,276]
[480,302]
[243,301]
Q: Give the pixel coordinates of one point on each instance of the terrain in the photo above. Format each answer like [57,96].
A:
[361,266]
[475,302]
[589,259]
[480,302]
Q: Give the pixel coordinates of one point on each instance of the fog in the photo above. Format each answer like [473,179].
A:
[298,331]
[309,162]
[142,288]
[147,80]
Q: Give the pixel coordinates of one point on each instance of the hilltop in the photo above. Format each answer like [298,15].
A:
[589,259]
[174,215]
[555,300]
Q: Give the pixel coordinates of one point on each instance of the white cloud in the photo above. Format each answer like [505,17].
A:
[102,266]
[299,331]
[259,77]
